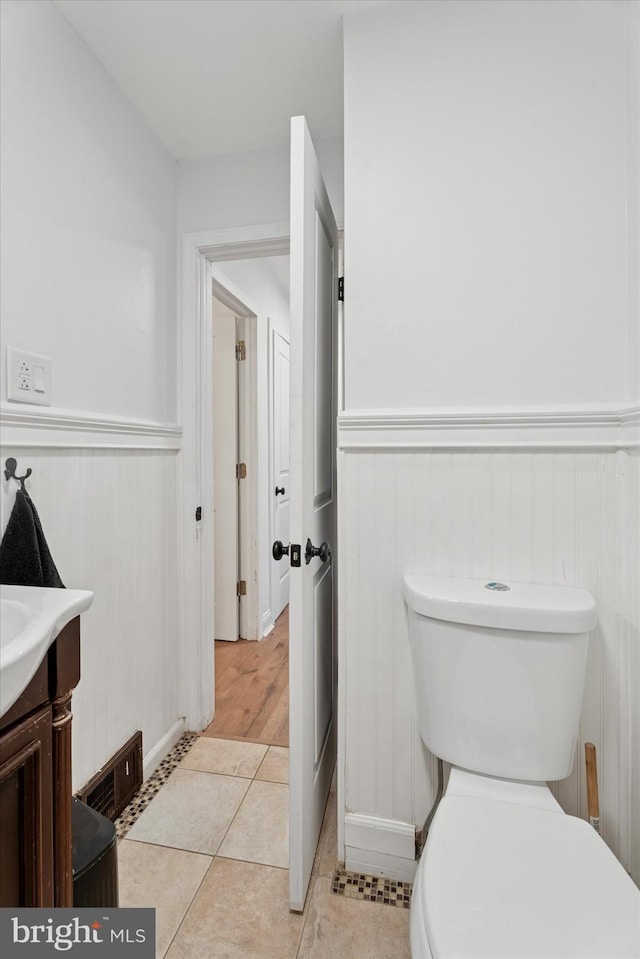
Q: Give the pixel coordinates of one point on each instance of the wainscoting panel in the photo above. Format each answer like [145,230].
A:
[110,520]
[551,516]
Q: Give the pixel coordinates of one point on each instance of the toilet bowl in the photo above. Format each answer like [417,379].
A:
[505,873]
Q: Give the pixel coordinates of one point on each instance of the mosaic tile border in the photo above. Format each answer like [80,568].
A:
[357,885]
[152,785]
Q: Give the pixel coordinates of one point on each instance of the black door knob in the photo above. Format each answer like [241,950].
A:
[280,489]
[323,551]
[279,550]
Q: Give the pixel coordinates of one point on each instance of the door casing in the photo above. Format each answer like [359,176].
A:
[195,467]
[249,626]
[279,572]
[195,461]
[226,486]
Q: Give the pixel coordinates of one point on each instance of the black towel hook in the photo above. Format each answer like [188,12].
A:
[10,473]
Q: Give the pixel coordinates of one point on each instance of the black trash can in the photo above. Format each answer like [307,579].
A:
[95,858]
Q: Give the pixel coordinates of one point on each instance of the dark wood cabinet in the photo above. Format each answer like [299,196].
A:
[35,782]
[26,812]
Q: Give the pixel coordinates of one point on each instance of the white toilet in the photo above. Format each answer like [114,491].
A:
[505,874]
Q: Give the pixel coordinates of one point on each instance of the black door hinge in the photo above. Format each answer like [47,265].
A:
[198,513]
[341,288]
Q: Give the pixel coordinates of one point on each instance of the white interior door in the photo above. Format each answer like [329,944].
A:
[312,643]
[225,484]
[280,479]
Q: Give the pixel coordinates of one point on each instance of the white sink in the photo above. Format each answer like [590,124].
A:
[30,619]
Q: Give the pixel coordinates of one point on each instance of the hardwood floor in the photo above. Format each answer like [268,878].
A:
[252,688]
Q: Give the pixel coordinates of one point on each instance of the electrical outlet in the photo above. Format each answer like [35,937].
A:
[28,377]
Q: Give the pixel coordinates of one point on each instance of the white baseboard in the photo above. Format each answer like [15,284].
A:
[153,758]
[267,623]
[380,847]
[379,864]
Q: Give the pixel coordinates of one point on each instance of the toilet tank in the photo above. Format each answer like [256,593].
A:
[499,672]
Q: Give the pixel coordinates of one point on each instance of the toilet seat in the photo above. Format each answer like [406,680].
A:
[499,880]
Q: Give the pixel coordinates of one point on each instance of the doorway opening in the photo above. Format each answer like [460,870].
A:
[250,387]
[311,237]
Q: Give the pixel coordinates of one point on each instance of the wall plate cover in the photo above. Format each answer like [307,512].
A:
[28,377]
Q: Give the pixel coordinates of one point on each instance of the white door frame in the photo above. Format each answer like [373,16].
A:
[195,469]
[226,486]
[273,501]
[247,453]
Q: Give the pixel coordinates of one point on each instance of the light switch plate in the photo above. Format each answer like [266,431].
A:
[28,377]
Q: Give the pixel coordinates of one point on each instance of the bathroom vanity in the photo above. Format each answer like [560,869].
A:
[35,744]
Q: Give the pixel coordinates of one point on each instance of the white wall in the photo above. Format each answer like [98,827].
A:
[88,277]
[88,225]
[486,162]
[245,189]
[254,284]
[491,188]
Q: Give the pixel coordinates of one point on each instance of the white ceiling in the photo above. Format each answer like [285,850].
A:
[221,76]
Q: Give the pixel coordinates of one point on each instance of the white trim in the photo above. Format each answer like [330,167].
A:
[248,503]
[382,835]
[231,301]
[242,243]
[270,465]
[630,425]
[62,429]
[153,758]
[249,626]
[275,592]
[195,543]
[380,847]
[380,864]
[341,743]
[606,429]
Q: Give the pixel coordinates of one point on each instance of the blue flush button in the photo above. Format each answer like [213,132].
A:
[496,586]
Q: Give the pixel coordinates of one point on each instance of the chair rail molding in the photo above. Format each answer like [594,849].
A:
[62,429]
[611,428]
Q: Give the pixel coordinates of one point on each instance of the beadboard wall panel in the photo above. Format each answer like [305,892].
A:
[110,520]
[565,517]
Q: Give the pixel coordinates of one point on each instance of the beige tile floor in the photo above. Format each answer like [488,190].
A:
[209,853]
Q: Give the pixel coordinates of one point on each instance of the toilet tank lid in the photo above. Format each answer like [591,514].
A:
[534,607]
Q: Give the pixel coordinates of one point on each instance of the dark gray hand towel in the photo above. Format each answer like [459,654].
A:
[25,559]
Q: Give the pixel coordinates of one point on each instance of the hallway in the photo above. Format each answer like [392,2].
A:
[252,688]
